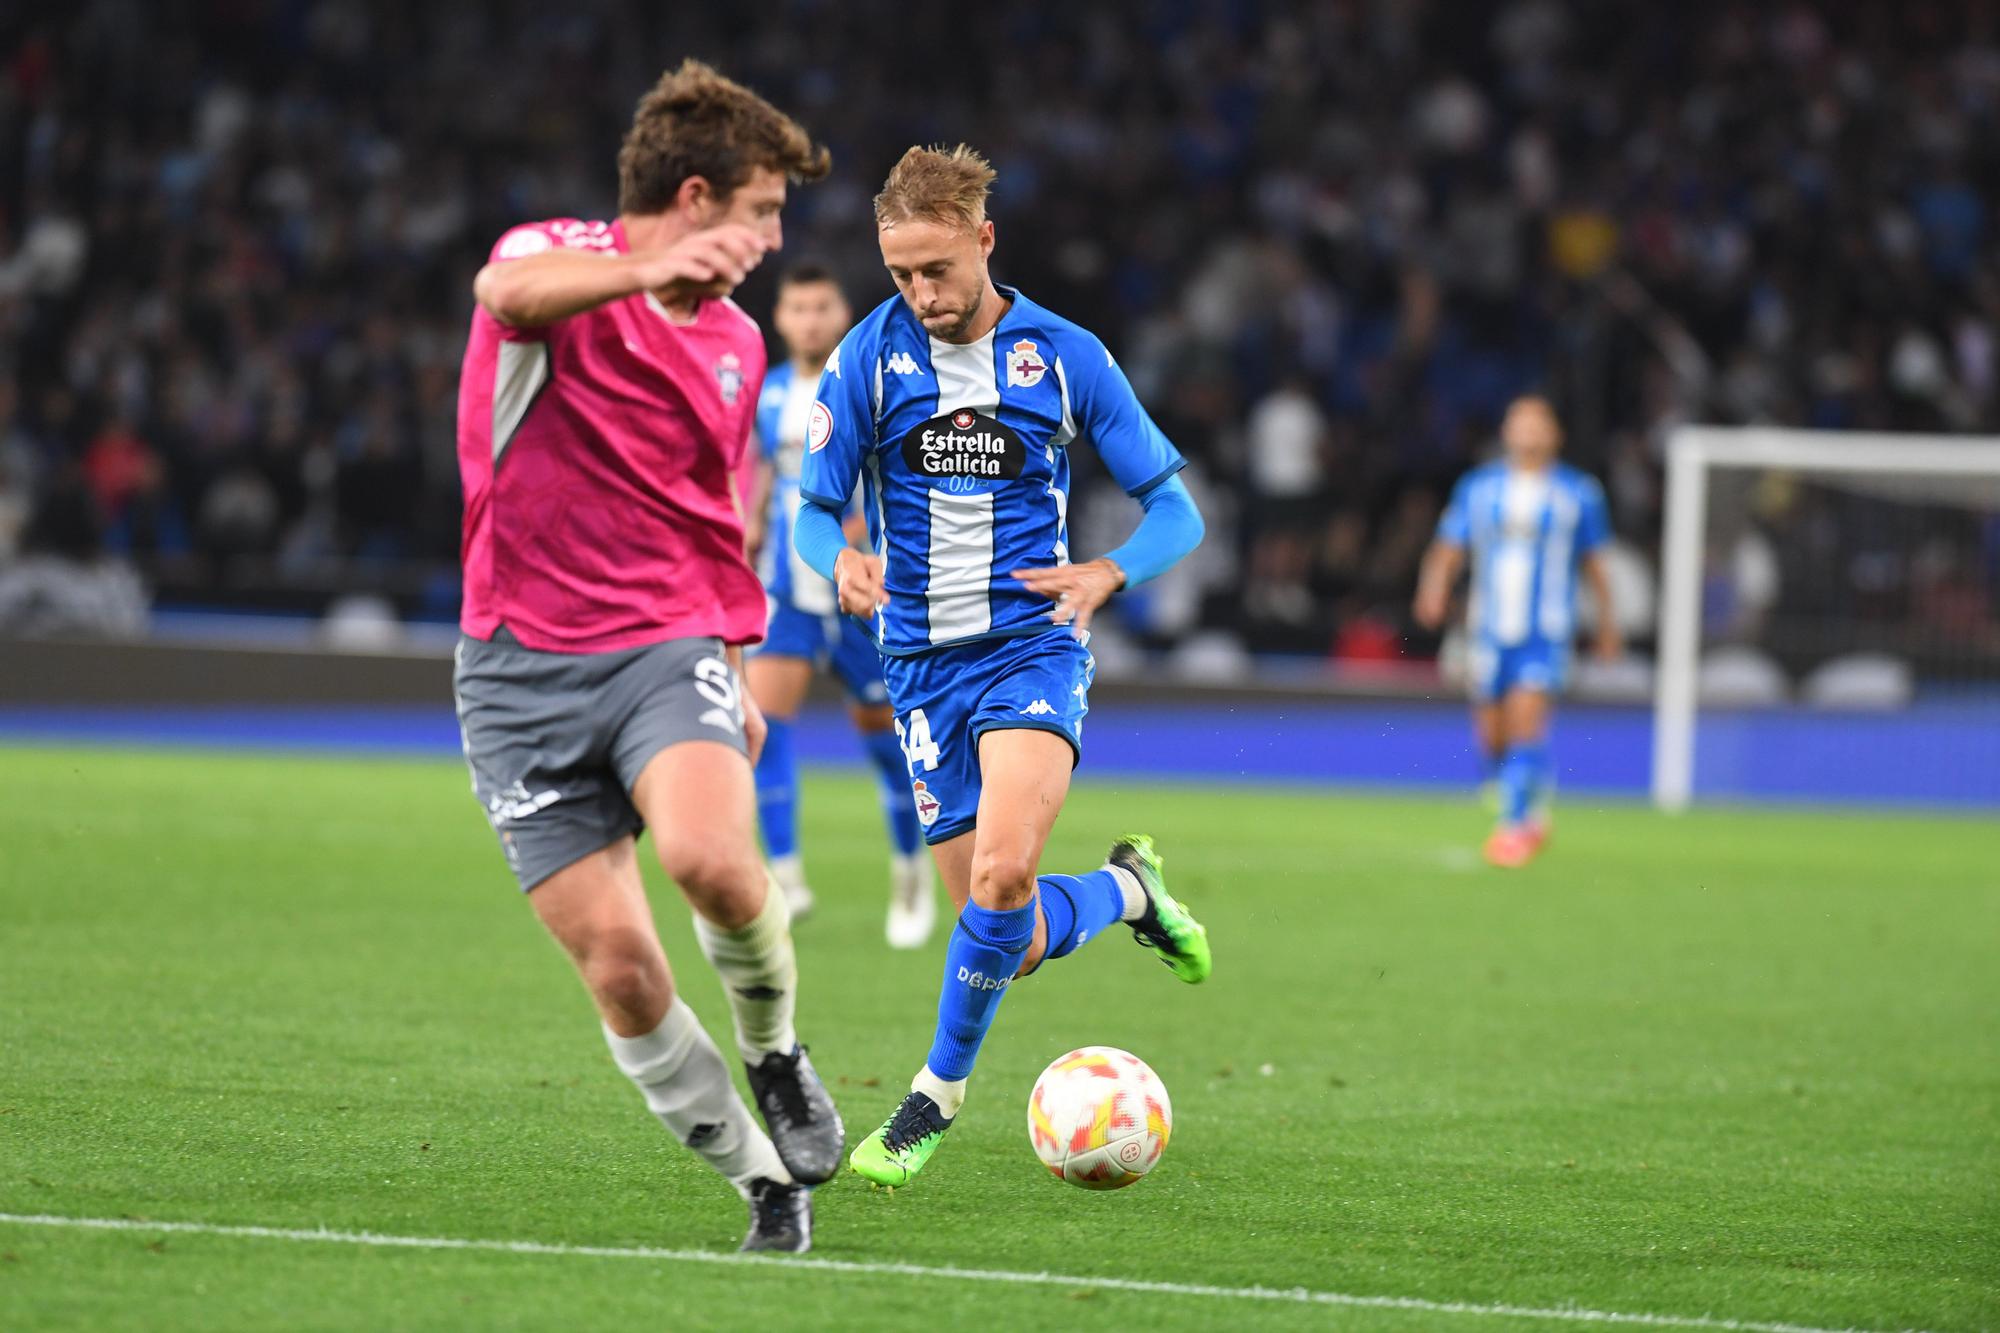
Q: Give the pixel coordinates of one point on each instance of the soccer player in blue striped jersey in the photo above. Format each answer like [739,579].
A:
[955,404]
[1529,524]
[807,631]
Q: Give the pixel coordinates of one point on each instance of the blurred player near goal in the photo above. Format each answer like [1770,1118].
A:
[604,407]
[1530,523]
[807,631]
[956,403]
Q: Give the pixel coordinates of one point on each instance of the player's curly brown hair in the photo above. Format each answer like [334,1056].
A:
[696,122]
[946,185]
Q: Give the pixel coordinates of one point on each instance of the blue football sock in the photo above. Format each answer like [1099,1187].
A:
[897,807]
[986,950]
[1520,777]
[778,789]
[1542,780]
[1078,908]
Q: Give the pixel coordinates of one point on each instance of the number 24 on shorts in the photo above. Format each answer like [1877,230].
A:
[918,747]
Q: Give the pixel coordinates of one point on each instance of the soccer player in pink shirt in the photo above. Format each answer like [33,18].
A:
[604,412]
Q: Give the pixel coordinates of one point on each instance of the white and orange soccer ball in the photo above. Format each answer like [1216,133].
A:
[1099,1118]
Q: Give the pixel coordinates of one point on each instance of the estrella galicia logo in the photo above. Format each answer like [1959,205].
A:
[965,444]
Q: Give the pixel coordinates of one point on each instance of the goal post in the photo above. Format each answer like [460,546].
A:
[1925,465]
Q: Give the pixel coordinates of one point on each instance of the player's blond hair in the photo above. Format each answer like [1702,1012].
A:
[697,122]
[943,185]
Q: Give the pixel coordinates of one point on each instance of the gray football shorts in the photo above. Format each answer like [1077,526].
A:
[556,741]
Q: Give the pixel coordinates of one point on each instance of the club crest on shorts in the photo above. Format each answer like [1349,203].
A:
[928,805]
[729,377]
[1025,366]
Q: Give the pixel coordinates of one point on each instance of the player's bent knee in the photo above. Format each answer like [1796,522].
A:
[630,982]
[1003,879]
[699,863]
[724,880]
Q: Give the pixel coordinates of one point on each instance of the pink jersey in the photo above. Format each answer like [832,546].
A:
[597,456]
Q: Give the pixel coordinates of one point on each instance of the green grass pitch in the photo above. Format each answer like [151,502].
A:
[1742,1065]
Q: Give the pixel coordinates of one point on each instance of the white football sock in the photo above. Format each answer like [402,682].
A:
[949,1095]
[760,974]
[1135,897]
[909,877]
[681,1075]
[790,870]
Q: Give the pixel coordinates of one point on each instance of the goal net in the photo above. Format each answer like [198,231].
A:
[1829,619]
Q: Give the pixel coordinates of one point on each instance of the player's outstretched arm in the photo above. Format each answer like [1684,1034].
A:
[821,541]
[1609,645]
[1169,530]
[1437,578]
[755,729]
[543,288]
[1592,535]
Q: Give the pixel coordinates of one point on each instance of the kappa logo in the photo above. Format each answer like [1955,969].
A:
[833,364]
[928,806]
[1039,708]
[902,363]
[819,428]
[1025,366]
[729,377]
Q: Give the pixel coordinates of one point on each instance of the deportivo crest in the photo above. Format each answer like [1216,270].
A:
[1025,366]
[819,428]
[729,377]
[928,805]
[965,444]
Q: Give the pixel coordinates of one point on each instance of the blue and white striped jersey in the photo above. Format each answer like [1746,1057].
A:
[962,450]
[783,409]
[1526,533]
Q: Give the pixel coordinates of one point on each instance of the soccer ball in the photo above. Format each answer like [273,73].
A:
[1099,1118]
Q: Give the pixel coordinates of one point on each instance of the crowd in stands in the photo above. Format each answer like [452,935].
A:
[1327,240]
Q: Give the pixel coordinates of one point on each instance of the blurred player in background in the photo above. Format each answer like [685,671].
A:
[957,402]
[807,631]
[1530,523]
[604,407]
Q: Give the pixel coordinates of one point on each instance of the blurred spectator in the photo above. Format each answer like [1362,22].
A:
[63,584]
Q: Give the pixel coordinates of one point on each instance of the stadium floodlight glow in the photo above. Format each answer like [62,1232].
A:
[1693,453]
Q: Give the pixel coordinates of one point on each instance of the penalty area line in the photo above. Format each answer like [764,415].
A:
[812,1264]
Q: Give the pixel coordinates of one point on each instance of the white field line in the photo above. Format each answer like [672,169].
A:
[1278,1295]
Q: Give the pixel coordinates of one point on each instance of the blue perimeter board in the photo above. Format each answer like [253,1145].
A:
[1943,753]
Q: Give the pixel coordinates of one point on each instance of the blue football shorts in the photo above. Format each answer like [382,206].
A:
[1535,664]
[945,700]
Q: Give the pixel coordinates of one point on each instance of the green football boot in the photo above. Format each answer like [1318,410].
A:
[1167,928]
[893,1154]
